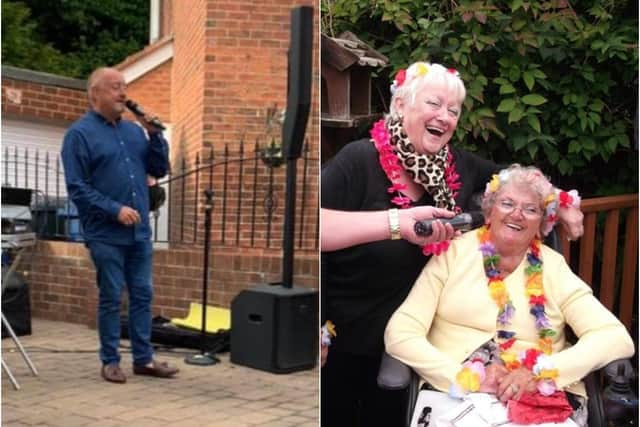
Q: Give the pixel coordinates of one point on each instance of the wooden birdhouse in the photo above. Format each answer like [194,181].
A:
[346,101]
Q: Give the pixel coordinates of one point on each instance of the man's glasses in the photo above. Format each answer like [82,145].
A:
[530,211]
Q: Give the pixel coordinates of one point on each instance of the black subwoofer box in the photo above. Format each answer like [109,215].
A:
[275,328]
[16,305]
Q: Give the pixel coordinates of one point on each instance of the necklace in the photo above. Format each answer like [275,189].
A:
[390,165]
[535,293]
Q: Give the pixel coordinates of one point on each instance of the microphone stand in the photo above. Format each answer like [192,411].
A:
[205,358]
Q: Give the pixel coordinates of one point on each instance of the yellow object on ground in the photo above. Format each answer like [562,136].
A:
[217,318]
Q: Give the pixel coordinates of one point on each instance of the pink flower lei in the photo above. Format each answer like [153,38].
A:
[389,163]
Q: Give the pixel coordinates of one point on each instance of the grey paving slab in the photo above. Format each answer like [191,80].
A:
[70,392]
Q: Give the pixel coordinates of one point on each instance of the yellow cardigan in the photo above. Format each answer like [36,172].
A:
[448,314]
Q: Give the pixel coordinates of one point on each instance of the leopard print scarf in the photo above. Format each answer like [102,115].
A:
[425,169]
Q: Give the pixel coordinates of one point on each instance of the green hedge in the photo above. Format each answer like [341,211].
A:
[549,83]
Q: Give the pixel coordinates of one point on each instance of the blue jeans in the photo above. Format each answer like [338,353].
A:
[117,265]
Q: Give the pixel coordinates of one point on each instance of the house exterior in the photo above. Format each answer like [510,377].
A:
[210,73]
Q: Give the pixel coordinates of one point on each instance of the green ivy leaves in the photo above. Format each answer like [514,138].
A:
[549,82]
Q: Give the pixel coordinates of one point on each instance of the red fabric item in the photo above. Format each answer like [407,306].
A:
[530,358]
[534,408]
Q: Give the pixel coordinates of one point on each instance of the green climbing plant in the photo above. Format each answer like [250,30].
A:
[553,83]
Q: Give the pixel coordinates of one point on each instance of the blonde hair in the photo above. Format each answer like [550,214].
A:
[418,75]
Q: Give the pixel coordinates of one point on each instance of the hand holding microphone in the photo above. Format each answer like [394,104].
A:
[462,222]
[440,231]
[155,124]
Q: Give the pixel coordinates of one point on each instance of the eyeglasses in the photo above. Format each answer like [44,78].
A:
[529,211]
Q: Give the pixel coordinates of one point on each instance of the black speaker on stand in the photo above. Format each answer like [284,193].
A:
[274,327]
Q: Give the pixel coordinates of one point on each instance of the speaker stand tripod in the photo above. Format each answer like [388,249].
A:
[205,358]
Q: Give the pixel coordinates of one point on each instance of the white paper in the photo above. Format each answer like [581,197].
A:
[476,410]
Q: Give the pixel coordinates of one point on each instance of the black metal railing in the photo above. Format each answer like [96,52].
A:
[248,187]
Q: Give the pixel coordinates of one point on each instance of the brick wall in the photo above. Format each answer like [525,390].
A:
[61,281]
[153,92]
[229,66]
[61,278]
[188,76]
[40,101]
[245,59]
[166,18]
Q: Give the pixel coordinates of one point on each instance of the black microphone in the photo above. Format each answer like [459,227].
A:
[463,222]
[135,109]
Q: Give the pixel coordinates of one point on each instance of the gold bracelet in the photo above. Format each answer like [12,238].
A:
[394,224]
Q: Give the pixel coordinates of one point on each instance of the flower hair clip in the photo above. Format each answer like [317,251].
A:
[569,198]
[415,70]
[496,180]
[454,72]
[398,81]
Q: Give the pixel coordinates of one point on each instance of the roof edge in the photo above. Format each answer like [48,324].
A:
[25,75]
[151,57]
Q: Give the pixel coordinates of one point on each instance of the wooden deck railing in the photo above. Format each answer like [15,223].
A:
[617,281]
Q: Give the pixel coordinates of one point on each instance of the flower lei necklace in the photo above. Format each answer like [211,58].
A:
[532,359]
[389,163]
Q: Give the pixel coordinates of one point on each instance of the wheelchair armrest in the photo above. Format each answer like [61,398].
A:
[619,367]
[595,387]
[393,374]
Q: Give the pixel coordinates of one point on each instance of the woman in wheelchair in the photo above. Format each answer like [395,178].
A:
[490,314]
[373,191]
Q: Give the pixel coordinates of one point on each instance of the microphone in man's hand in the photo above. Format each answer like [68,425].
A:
[462,222]
[135,109]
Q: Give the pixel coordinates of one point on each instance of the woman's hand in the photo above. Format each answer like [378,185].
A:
[514,384]
[493,373]
[571,219]
[408,218]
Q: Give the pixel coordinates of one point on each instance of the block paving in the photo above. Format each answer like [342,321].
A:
[69,391]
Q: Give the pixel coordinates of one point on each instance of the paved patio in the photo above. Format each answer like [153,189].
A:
[70,392]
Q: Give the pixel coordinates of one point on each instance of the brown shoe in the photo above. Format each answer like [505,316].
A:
[156,369]
[113,373]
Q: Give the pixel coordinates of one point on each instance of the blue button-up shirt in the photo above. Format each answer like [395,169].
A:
[106,167]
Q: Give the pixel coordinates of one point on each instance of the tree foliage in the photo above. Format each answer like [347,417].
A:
[72,37]
[548,82]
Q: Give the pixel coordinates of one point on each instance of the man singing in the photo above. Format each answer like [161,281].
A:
[106,161]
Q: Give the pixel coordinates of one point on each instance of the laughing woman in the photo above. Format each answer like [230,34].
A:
[373,191]
[490,314]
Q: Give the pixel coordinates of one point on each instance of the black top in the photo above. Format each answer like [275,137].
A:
[364,284]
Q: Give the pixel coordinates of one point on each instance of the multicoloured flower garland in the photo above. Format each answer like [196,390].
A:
[328,331]
[537,360]
[532,359]
[389,164]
